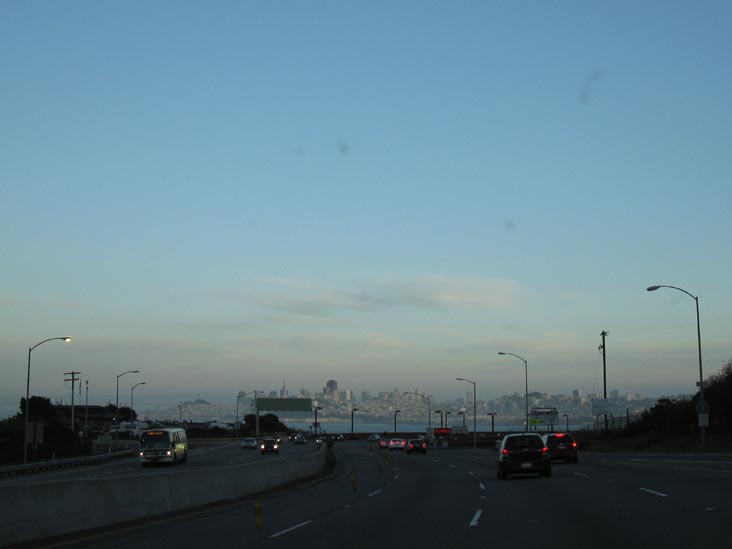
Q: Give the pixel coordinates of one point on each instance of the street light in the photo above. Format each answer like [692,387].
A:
[395,414]
[462,413]
[439,412]
[702,407]
[27,393]
[429,408]
[116,407]
[447,419]
[567,417]
[493,424]
[316,419]
[132,401]
[526,367]
[475,434]
[352,411]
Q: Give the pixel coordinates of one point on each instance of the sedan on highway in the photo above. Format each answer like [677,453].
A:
[249,444]
[416,445]
[523,453]
[397,444]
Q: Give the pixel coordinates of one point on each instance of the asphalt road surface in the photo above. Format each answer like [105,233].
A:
[199,457]
[450,498]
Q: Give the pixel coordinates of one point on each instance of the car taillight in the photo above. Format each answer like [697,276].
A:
[504,452]
[544,450]
[574,445]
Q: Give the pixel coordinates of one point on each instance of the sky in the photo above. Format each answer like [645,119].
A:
[227,195]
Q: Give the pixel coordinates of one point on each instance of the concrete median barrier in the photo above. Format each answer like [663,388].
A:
[36,510]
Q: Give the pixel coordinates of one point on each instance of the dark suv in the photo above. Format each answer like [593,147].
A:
[523,453]
[269,445]
[561,446]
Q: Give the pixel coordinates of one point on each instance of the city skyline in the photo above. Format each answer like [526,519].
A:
[287,197]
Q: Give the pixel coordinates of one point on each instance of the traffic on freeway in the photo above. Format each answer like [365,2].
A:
[451,498]
[211,455]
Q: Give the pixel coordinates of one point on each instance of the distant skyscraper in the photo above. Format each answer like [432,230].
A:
[365,395]
[332,386]
[283,391]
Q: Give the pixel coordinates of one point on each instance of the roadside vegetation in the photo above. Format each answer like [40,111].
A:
[671,425]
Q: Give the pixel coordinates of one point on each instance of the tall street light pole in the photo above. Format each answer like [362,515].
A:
[526,368]
[27,392]
[439,412]
[132,401]
[116,406]
[395,415]
[702,406]
[316,419]
[475,415]
[493,418]
[352,412]
[429,408]
[567,418]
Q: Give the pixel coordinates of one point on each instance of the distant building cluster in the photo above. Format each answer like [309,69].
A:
[414,406]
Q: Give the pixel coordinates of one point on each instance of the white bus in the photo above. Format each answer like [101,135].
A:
[168,445]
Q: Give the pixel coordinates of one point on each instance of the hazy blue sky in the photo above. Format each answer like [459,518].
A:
[223,194]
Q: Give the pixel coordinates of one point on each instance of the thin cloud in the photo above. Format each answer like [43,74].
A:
[387,292]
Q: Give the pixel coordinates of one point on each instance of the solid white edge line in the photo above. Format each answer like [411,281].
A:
[291,528]
[374,492]
[581,474]
[661,494]
[476,516]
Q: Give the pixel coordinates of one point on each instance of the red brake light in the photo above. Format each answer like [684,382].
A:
[560,435]
[504,452]
[574,445]
[544,450]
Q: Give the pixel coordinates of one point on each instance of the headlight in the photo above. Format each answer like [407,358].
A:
[168,453]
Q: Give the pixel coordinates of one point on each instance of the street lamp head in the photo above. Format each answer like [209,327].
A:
[397,411]
[652,288]
[355,410]
[501,353]
[67,339]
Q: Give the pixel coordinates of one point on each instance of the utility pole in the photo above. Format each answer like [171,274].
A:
[604,333]
[73,381]
[86,412]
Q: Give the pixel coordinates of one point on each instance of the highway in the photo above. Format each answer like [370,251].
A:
[450,498]
[199,457]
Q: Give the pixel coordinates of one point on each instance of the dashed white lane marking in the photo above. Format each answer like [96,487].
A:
[396,477]
[581,474]
[374,492]
[482,486]
[453,466]
[436,461]
[661,494]
[290,529]
[471,473]
[476,516]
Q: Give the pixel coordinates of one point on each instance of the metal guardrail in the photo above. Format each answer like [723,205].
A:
[61,463]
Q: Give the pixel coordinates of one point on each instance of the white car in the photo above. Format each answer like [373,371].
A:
[249,444]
